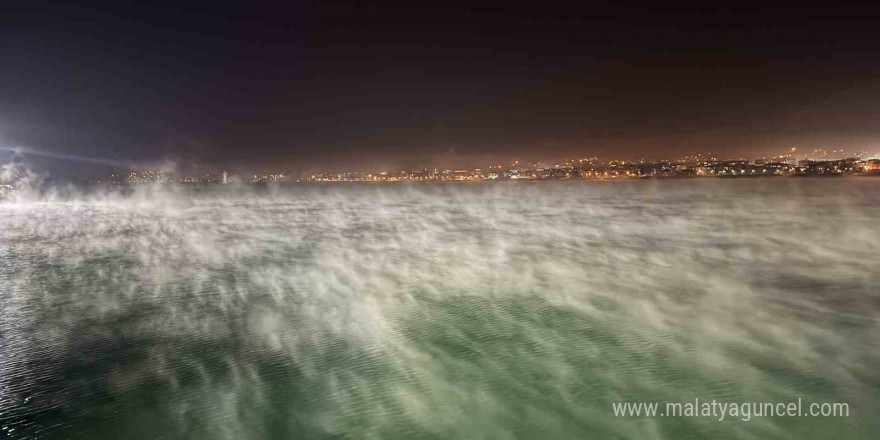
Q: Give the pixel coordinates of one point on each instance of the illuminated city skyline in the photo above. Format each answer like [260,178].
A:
[815,162]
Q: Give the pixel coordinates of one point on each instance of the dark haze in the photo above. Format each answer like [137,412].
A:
[301,85]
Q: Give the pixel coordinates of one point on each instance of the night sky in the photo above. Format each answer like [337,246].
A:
[294,85]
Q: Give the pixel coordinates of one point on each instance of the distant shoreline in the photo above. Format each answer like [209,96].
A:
[490,181]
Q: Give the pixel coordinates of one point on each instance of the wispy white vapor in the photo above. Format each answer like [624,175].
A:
[510,310]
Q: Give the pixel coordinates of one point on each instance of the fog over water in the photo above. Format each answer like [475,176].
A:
[494,311]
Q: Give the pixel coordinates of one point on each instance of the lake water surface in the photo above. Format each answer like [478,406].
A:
[474,311]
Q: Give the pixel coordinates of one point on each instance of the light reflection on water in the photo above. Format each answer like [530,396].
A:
[510,310]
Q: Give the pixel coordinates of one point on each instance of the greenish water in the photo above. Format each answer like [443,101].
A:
[440,311]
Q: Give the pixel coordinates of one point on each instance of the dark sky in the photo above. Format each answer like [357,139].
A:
[298,84]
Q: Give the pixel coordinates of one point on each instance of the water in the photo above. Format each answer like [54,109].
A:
[507,310]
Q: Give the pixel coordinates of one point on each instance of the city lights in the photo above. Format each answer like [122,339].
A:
[817,163]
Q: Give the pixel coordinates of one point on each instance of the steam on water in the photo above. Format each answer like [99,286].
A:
[439,311]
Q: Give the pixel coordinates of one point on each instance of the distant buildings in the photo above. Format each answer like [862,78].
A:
[696,166]
[146,176]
